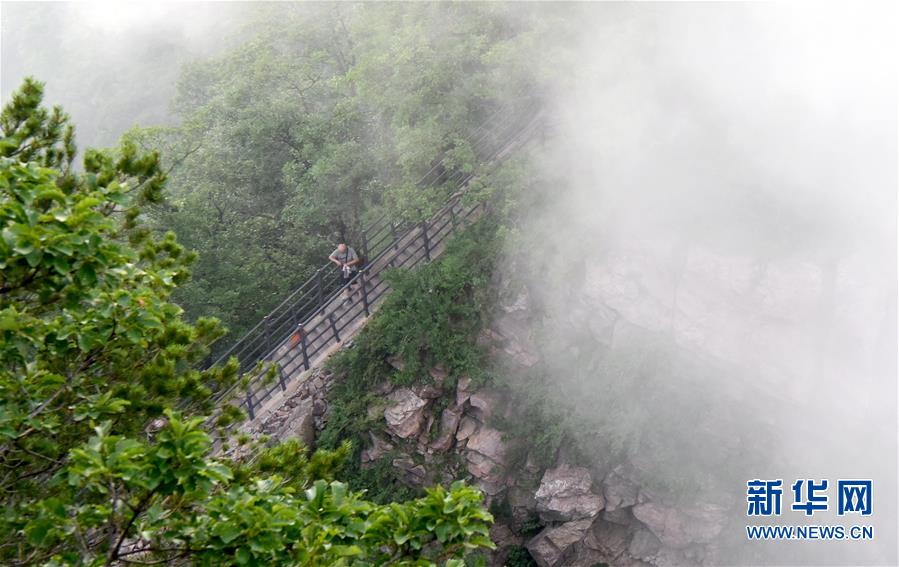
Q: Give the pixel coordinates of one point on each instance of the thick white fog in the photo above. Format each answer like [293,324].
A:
[722,190]
[111,65]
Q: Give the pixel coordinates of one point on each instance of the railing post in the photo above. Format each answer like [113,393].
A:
[333,327]
[268,333]
[364,292]
[393,235]
[364,245]
[250,411]
[302,331]
[424,234]
[320,286]
[281,380]
[453,215]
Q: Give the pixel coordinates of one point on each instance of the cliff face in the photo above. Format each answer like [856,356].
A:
[591,502]
[741,359]
[564,513]
[785,318]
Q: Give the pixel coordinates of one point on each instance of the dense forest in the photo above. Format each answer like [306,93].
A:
[328,117]
[284,146]
[670,274]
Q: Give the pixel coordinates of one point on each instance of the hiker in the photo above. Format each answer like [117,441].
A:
[348,261]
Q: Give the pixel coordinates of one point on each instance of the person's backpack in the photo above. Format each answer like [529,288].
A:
[362,259]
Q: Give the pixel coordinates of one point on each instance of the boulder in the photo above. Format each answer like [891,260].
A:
[463,390]
[549,547]
[428,391]
[406,414]
[413,473]
[467,427]
[681,527]
[449,423]
[522,503]
[439,373]
[483,403]
[601,322]
[489,443]
[384,388]
[503,536]
[521,354]
[619,491]
[300,423]
[491,486]
[378,448]
[481,467]
[621,516]
[644,545]
[565,494]
[396,362]
[610,540]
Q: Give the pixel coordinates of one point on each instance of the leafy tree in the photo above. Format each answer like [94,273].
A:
[96,469]
[327,116]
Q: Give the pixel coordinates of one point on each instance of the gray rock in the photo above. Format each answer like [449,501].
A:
[621,516]
[413,473]
[463,390]
[522,503]
[549,547]
[601,322]
[439,373]
[644,545]
[467,427]
[483,403]
[482,467]
[489,443]
[492,486]
[565,494]
[610,540]
[396,362]
[378,448]
[406,416]
[428,391]
[618,490]
[503,536]
[681,527]
[449,424]
[384,388]
[300,424]
[521,354]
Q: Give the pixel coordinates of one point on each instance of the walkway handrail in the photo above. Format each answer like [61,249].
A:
[307,300]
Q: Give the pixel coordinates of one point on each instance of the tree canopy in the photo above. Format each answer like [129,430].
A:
[97,469]
[327,116]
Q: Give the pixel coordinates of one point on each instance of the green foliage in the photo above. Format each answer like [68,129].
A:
[86,331]
[92,351]
[382,482]
[432,316]
[520,557]
[167,501]
[327,116]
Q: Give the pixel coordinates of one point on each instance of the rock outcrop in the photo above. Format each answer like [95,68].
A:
[433,434]
[678,527]
[565,494]
[405,416]
[551,546]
